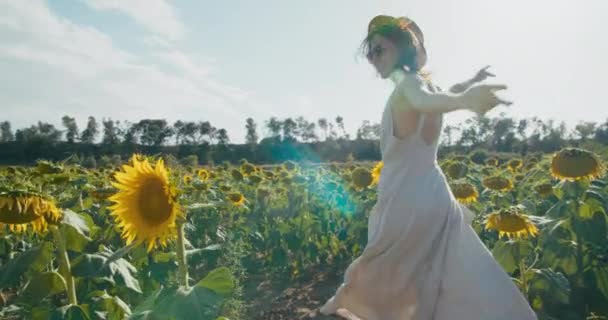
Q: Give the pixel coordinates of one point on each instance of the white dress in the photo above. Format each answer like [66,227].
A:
[423,261]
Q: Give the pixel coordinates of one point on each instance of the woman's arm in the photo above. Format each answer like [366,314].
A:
[462,86]
[479,98]
[480,76]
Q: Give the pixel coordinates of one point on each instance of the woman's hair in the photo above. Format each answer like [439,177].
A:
[404,41]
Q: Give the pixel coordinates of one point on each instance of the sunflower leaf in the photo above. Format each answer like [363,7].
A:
[42,285]
[75,230]
[199,302]
[553,286]
[219,280]
[70,312]
[601,279]
[34,259]
[100,264]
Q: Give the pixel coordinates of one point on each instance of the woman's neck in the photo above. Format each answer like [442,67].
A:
[397,75]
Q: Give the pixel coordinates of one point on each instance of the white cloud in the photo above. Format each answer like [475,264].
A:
[52,67]
[158,16]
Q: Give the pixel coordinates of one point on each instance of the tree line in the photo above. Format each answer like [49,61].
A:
[283,139]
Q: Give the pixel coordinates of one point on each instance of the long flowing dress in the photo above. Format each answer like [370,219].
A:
[423,261]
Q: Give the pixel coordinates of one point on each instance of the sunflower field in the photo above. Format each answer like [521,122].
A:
[153,239]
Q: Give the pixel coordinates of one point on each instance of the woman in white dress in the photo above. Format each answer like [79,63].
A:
[423,261]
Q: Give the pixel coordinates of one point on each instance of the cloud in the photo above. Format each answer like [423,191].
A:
[157,16]
[52,67]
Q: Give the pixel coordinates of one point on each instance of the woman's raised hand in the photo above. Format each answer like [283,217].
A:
[482,74]
[482,98]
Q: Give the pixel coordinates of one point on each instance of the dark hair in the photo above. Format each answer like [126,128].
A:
[403,40]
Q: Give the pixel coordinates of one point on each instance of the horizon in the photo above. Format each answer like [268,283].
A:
[187,61]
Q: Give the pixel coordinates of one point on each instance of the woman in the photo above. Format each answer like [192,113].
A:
[423,261]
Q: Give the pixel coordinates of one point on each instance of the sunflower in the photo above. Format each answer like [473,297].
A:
[512,223]
[290,165]
[145,206]
[103,193]
[262,193]
[361,178]
[20,209]
[47,167]
[544,189]
[247,168]
[187,179]
[269,174]
[236,198]
[255,178]
[497,183]
[236,174]
[201,185]
[464,192]
[515,164]
[575,164]
[457,170]
[461,158]
[376,172]
[300,179]
[203,174]
[492,162]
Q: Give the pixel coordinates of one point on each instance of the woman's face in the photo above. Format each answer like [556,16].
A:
[383,54]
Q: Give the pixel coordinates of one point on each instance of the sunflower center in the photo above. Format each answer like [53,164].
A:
[154,203]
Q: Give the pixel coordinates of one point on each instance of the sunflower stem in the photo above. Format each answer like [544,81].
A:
[181,256]
[524,280]
[64,265]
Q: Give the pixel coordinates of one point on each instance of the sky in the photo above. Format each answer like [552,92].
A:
[225,61]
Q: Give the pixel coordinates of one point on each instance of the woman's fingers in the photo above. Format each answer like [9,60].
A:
[495,87]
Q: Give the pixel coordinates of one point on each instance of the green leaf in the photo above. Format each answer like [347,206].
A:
[98,264]
[70,312]
[560,255]
[584,211]
[508,253]
[601,279]
[42,285]
[199,302]
[112,306]
[75,230]
[593,228]
[35,259]
[553,286]
[559,210]
[75,221]
[219,281]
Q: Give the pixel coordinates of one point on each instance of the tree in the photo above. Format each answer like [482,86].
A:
[110,132]
[178,127]
[42,133]
[222,137]
[289,129]
[585,129]
[90,133]
[189,132]
[71,133]
[251,137]
[322,122]
[368,131]
[340,123]
[6,134]
[601,133]
[274,127]
[129,133]
[205,129]
[153,132]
